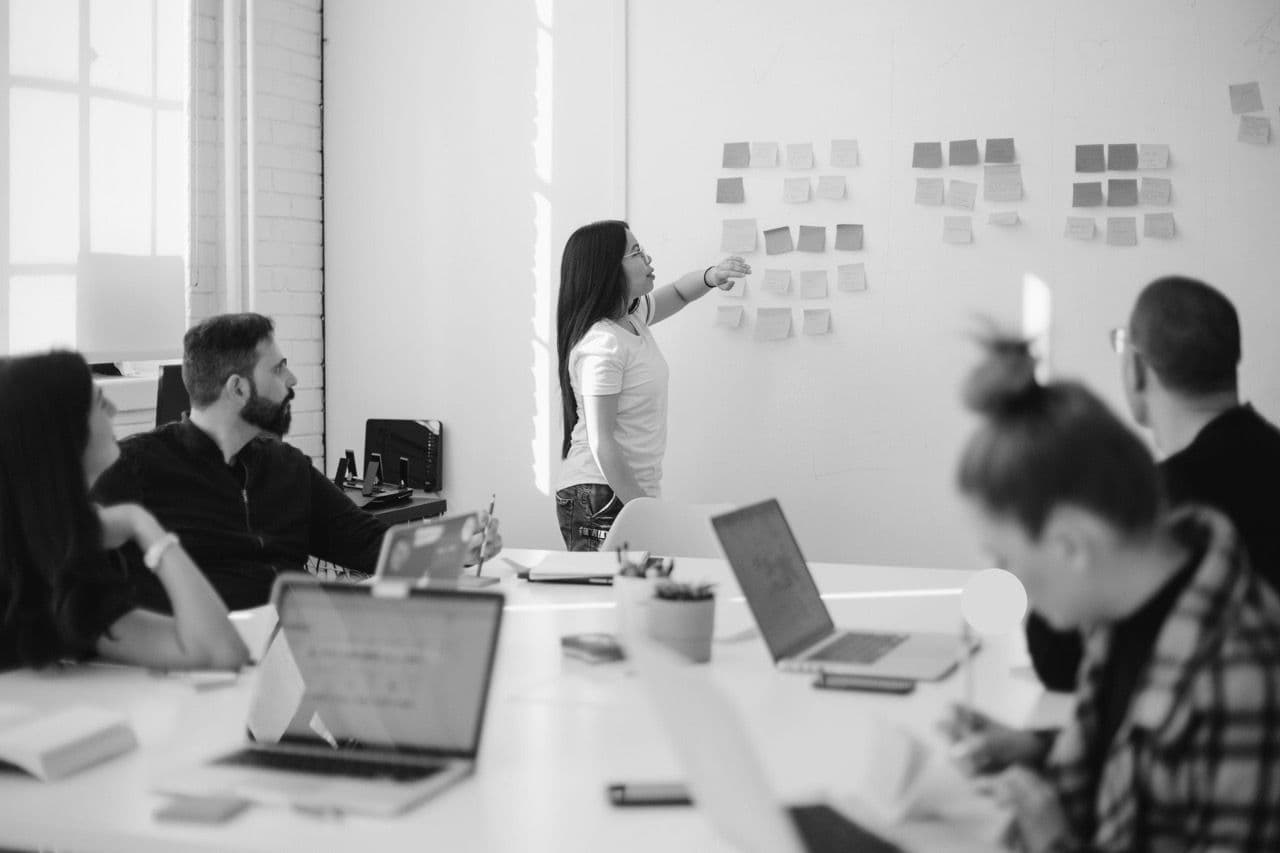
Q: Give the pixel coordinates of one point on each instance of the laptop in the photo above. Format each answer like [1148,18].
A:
[365,703]
[429,551]
[724,774]
[795,622]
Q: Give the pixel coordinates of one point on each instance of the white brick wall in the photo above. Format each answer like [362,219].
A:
[290,186]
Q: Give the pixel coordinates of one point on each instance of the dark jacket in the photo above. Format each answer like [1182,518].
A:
[1233,464]
[242,523]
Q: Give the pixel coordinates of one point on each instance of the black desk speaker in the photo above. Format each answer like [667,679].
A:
[421,442]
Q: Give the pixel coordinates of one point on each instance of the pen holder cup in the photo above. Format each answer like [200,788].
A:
[685,627]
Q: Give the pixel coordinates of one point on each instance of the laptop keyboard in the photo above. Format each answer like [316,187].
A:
[858,648]
[328,765]
[824,830]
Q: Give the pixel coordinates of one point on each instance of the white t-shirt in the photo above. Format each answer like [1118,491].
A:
[612,359]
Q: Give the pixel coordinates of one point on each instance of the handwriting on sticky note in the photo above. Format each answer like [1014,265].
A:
[1155,190]
[764,154]
[957,229]
[1002,183]
[963,152]
[1086,194]
[737,155]
[777,281]
[813,284]
[800,155]
[777,241]
[1158,225]
[795,190]
[738,235]
[729,316]
[831,187]
[1122,157]
[926,155]
[1245,97]
[737,291]
[1003,217]
[1256,130]
[1153,156]
[729,191]
[813,238]
[817,321]
[851,278]
[1000,150]
[929,191]
[1122,192]
[1122,231]
[773,324]
[844,153]
[1080,227]
[962,194]
[849,237]
[1090,158]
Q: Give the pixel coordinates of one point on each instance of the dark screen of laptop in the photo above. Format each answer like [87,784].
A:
[358,671]
[773,575]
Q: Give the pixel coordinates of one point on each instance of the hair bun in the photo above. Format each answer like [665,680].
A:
[1005,381]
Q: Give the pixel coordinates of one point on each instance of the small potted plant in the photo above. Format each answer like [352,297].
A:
[682,616]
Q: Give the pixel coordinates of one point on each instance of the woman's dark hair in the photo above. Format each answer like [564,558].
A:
[1042,446]
[50,535]
[592,287]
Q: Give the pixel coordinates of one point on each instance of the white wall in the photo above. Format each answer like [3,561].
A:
[442,265]
[463,142]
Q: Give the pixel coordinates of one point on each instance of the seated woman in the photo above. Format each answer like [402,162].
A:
[64,589]
[1173,742]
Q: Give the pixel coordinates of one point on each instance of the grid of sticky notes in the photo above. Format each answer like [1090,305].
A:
[1107,175]
[1246,99]
[826,196]
[1001,183]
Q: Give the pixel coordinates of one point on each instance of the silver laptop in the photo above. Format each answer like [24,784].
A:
[434,549]
[364,703]
[724,774]
[793,618]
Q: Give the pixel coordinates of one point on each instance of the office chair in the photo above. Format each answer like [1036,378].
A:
[666,528]
[172,401]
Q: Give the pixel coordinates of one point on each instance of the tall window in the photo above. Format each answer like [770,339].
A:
[96,139]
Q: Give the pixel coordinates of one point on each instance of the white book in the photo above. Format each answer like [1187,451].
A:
[55,745]
[581,565]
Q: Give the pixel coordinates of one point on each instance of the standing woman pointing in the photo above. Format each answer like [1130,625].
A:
[613,378]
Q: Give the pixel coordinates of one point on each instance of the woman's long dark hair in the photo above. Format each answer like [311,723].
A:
[50,535]
[592,288]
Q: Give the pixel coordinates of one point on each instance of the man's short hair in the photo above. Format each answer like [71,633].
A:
[1188,333]
[217,349]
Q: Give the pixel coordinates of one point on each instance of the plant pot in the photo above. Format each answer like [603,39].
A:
[685,627]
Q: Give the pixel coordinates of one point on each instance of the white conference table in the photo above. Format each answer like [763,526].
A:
[557,730]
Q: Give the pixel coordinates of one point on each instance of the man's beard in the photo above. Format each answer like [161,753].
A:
[266,415]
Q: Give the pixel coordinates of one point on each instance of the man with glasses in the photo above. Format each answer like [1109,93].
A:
[1179,355]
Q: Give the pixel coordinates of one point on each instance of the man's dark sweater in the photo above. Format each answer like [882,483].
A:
[1234,465]
[242,523]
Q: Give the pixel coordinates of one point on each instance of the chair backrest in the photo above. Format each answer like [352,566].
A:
[666,529]
[171,395]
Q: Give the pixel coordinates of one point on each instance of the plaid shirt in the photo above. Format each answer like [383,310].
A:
[1195,763]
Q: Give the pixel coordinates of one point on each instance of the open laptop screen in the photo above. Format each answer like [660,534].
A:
[351,670]
[771,570]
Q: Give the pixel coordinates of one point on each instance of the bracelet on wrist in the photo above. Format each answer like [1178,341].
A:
[155,553]
[704,276]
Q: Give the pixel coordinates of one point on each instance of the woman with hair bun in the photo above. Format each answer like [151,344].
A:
[1173,743]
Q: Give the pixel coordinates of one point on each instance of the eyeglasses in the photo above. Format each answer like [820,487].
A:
[1120,340]
[638,251]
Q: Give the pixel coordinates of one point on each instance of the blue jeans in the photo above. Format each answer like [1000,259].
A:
[585,512]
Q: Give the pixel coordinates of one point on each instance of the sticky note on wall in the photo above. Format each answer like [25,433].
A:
[1080,227]
[1155,190]
[737,155]
[1158,225]
[777,281]
[957,229]
[1090,158]
[849,237]
[800,155]
[729,316]
[1153,156]
[817,321]
[1122,157]
[773,324]
[1122,231]
[729,191]
[1086,194]
[831,187]
[929,191]
[764,154]
[1002,183]
[844,153]
[1000,150]
[926,155]
[738,235]
[962,194]
[1122,192]
[813,238]
[963,152]
[777,241]
[1245,97]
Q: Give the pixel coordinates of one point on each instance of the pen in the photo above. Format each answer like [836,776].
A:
[484,535]
[968,667]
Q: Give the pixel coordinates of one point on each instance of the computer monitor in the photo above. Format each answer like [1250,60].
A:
[420,441]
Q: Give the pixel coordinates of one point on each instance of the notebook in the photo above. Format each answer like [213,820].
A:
[365,702]
[796,625]
[57,744]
